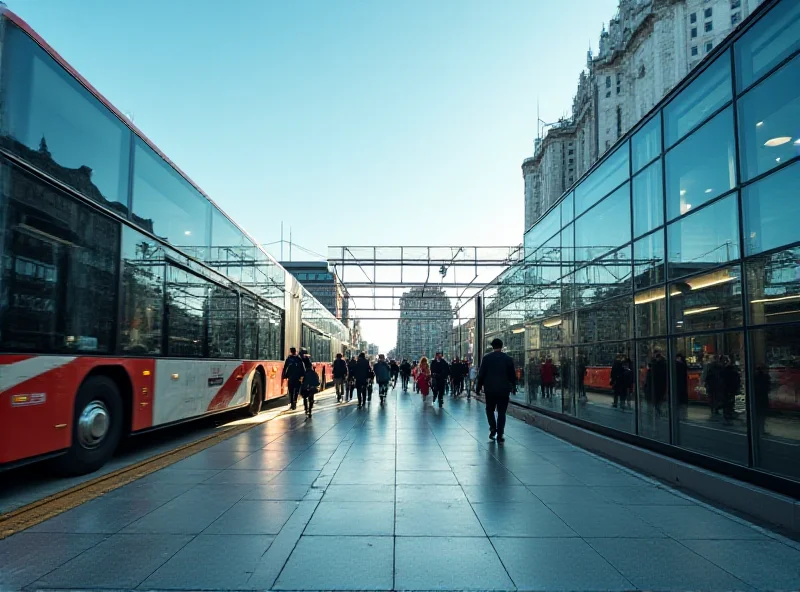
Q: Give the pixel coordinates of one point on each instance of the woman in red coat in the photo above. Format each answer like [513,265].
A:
[548,372]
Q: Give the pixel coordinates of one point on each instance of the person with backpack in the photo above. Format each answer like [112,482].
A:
[351,377]
[383,375]
[293,372]
[440,371]
[405,374]
[361,377]
[339,376]
[310,384]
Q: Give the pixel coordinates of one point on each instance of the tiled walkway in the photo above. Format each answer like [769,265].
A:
[403,496]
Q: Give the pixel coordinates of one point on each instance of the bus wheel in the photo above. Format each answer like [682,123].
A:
[96,426]
[256,396]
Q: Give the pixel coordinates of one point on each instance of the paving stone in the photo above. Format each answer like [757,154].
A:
[694,522]
[426,478]
[277,491]
[604,520]
[253,517]
[526,519]
[359,493]
[101,515]
[430,493]
[27,556]
[493,493]
[439,519]
[352,519]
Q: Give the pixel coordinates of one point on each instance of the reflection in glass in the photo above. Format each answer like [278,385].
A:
[54,123]
[769,122]
[708,301]
[568,209]
[613,172]
[772,39]
[249,324]
[170,207]
[231,251]
[773,287]
[646,143]
[568,249]
[704,239]
[775,366]
[648,260]
[648,200]
[606,278]
[545,382]
[710,391]
[142,294]
[605,381]
[605,322]
[605,227]
[707,93]
[187,296]
[222,314]
[652,375]
[771,210]
[650,311]
[702,167]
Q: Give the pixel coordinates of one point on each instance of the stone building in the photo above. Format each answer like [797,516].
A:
[648,47]
[426,319]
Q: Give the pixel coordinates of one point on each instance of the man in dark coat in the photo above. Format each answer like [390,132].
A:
[361,375]
[339,376]
[440,371]
[498,378]
[293,371]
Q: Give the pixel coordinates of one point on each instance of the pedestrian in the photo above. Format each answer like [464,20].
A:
[498,379]
[405,374]
[293,371]
[383,375]
[395,368]
[621,380]
[351,377]
[473,376]
[339,376]
[440,371]
[361,376]
[310,384]
[548,376]
[423,377]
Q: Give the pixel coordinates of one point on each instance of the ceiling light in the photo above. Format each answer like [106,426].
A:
[699,284]
[518,330]
[778,299]
[779,141]
[187,232]
[683,192]
[553,322]
[778,159]
[785,312]
[709,190]
[797,142]
[649,296]
[694,311]
[759,124]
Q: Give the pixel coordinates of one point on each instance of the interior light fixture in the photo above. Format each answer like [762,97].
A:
[552,322]
[650,296]
[187,232]
[777,299]
[709,190]
[785,312]
[518,330]
[779,141]
[797,142]
[694,311]
[778,159]
[759,124]
[683,192]
[699,285]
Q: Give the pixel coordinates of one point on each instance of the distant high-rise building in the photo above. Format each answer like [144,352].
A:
[323,284]
[426,318]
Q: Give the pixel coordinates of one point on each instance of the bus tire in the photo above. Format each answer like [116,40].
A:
[256,396]
[96,426]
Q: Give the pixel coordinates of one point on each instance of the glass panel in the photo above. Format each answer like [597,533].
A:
[607,278]
[708,301]
[166,204]
[704,239]
[648,200]
[702,167]
[568,209]
[605,322]
[249,329]
[223,312]
[605,395]
[142,294]
[55,124]
[612,173]
[231,253]
[646,143]
[771,210]
[712,415]
[707,93]
[769,122]
[187,298]
[270,331]
[773,287]
[59,279]
[775,364]
[771,40]
[650,311]
[568,249]
[606,226]
[652,375]
[544,388]
[648,260]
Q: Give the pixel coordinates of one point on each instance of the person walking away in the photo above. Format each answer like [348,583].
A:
[440,371]
[361,376]
[351,377]
[383,375]
[682,385]
[732,384]
[395,368]
[293,371]
[423,379]
[371,381]
[310,384]
[473,376]
[548,375]
[339,377]
[498,378]
[414,372]
[617,379]
[405,374]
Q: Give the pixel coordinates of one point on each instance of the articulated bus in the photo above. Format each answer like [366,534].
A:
[128,299]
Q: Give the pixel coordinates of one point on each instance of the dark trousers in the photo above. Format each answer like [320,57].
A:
[351,386]
[294,391]
[339,382]
[308,400]
[361,388]
[497,403]
[439,383]
[383,388]
[405,382]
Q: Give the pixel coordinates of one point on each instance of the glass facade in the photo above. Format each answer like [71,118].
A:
[161,272]
[668,306]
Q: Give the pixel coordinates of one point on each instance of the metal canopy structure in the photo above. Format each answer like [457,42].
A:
[377,277]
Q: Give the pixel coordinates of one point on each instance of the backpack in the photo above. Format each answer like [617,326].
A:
[382,372]
[310,381]
[294,368]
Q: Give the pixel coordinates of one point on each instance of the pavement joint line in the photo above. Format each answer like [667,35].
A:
[52,505]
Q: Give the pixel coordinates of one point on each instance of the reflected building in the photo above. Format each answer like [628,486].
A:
[323,284]
[426,318]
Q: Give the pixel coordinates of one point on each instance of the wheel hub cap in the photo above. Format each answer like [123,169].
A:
[93,424]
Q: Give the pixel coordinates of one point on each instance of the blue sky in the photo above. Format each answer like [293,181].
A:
[354,122]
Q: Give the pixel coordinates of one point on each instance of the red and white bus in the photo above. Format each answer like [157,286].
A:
[128,299]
